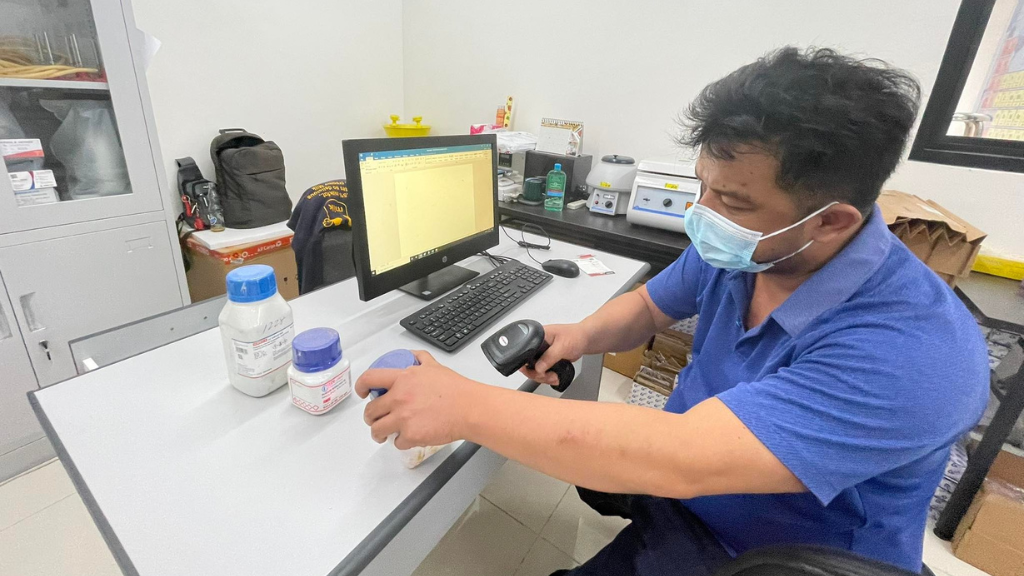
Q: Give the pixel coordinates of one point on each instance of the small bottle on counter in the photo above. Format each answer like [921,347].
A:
[319,376]
[256,329]
[554,199]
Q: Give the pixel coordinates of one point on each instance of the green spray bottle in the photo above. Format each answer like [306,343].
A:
[555,197]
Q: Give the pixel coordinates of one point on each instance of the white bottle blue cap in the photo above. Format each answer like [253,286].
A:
[316,350]
[251,283]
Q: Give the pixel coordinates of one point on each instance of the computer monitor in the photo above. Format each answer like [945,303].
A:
[418,206]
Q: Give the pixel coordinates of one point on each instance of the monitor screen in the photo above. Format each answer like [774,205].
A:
[418,202]
[419,206]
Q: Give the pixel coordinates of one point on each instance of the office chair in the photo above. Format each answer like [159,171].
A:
[806,560]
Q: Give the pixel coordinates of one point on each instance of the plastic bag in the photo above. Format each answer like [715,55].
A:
[86,143]
[9,127]
[512,142]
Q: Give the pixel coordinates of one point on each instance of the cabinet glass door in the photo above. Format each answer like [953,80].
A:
[72,127]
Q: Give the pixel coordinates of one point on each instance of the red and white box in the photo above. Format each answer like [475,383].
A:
[34,187]
[22,153]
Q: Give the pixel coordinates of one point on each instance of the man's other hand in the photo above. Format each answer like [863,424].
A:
[568,342]
[424,404]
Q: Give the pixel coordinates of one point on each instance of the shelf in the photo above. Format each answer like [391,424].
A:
[53,84]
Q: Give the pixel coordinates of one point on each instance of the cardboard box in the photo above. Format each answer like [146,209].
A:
[990,536]
[673,344]
[20,154]
[1009,468]
[663,362]
[210,267]
[626,363]
[943,241]
[32,180]
[36,197]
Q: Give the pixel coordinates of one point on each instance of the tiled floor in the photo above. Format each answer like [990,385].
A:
[523,524]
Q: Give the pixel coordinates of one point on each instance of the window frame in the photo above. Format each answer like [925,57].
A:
[932,143]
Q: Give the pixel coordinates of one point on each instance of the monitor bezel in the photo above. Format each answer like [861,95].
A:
[371,286]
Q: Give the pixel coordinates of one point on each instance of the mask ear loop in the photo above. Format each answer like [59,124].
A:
[799,222]
[774,262]
[804,247]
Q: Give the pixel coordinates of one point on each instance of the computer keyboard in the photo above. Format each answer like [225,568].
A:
[463,313]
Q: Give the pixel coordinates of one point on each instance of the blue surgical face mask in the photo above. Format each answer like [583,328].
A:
[725,244]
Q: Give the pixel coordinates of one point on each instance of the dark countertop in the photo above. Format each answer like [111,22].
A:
[609,233]
[997,298]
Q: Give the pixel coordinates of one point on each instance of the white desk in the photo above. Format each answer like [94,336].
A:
[185,475]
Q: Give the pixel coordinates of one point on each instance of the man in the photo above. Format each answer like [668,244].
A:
[831,369]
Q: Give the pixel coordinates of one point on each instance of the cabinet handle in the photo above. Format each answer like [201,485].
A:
[5,326]
[46,348]
[29,311]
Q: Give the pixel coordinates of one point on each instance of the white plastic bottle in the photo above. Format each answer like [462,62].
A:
[257,330]
[319,375]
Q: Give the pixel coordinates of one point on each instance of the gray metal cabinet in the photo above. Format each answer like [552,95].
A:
[87,234]
[17,427]
[90,283]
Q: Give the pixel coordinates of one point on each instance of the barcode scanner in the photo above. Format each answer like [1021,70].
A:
[522,343]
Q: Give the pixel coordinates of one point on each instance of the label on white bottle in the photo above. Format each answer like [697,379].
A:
[259,358]
[320,399]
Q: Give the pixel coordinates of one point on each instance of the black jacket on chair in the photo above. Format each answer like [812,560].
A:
[323,236]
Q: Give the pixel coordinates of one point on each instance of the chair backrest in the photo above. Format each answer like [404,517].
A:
[339,263]
[805,560]
[116,344]
[323,236]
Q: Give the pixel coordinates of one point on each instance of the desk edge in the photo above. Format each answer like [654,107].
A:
[106,530]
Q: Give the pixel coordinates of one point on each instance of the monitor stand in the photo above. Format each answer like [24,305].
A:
[433,285]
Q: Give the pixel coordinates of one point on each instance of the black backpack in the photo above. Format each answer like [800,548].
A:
[250,179]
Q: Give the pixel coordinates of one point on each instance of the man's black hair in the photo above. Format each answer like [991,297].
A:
[837,125]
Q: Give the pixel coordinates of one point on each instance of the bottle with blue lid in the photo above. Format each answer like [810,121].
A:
[257,329]
[400,359]
[319,376]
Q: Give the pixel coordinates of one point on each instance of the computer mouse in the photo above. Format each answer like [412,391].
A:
[564,268]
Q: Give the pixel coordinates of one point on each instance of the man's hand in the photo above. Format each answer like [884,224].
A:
[568,342]
[424,404]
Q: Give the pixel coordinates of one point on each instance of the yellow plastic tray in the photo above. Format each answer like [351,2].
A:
[997,266]
[396,130]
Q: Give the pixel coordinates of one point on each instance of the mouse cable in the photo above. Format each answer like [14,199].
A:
[522,242]
[522,231]
[495,259]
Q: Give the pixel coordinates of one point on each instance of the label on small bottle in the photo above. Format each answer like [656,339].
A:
[259,358]
[320,399]
[554,200]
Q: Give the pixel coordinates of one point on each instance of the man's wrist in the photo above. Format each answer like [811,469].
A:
[585,335]
[470,404]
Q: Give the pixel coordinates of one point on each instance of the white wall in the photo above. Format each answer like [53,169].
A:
[304,74]
[628,69]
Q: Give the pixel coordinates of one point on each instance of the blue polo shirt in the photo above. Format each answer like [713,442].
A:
[859,383]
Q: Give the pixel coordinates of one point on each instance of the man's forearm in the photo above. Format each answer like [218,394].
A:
[622,448]
[622,324]
[562,439]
